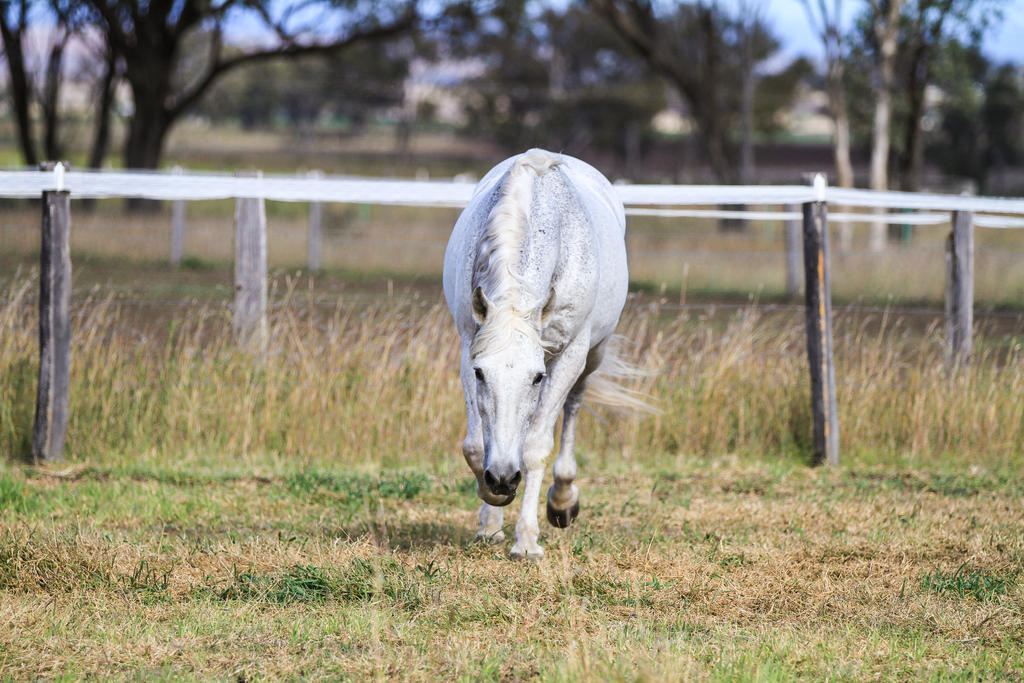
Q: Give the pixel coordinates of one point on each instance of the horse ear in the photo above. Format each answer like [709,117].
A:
[480,305]
[549,306]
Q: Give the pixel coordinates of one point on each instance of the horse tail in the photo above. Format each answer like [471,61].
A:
[540,161]
[609,386]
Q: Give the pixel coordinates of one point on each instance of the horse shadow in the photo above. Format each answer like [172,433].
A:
[409,535]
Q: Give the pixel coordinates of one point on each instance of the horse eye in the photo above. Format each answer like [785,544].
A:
[538,379]
[479,374]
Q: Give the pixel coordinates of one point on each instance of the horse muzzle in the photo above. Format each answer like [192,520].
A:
[497,499]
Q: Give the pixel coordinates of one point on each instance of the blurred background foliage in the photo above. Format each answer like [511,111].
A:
[695,92]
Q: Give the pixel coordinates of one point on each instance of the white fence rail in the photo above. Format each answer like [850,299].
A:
[57,187]
[194,186]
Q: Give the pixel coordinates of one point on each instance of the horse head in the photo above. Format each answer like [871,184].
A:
[509,369]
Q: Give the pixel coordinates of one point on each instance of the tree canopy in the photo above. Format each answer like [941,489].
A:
[580,76]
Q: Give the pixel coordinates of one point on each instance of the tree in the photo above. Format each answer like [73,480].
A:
[28,86]
[106,83]
[701,51]
[562,79]
[366,79]
[826,22]
[981,126]
[149,39]
[926,26]
[775,93]
[749,29]
[883,22]
[13,24]
[510,101]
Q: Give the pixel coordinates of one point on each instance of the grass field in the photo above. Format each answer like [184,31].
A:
[308,515]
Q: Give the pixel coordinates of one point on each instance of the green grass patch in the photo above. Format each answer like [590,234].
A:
[980,584]
[361,581]
[16,497]
[355,490]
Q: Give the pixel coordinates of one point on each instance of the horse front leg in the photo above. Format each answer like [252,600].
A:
[563,505]
[563,374]
[564,496]
[527,529]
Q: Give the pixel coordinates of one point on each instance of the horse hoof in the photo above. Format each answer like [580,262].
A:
[563,518]
[521,554]
[495,538]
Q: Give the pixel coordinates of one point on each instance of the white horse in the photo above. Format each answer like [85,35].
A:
[535,277]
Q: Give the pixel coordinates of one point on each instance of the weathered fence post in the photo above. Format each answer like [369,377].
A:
[51,421]
[818,293]
[249,322]
[792,237]
[959,290]
[177,225]
[314,234]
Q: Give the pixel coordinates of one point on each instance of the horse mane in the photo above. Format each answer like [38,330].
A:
[500,329]
[495,269]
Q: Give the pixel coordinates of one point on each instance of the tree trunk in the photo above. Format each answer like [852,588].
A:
[840,144]
[747,110]
[880,159]
[880,134]
[841,121]
[913,153]
[147,130]
[631,152]
[708,106]
[144,145]
[746,133]
[717,149]
[151,120]
[20,90]
[51,101]
[885,31]
[101,132]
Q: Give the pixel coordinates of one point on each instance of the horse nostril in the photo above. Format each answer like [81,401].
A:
[514,481]
[490,480]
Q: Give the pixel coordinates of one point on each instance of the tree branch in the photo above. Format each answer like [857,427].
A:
[640,32]
[221,66]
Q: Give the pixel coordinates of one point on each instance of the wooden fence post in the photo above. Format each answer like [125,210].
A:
[959,290]
[818,293]
[314,234]
[51,421]
[177,225]
[249,321]
[792,241]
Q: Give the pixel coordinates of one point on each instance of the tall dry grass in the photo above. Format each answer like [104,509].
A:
[377,385]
